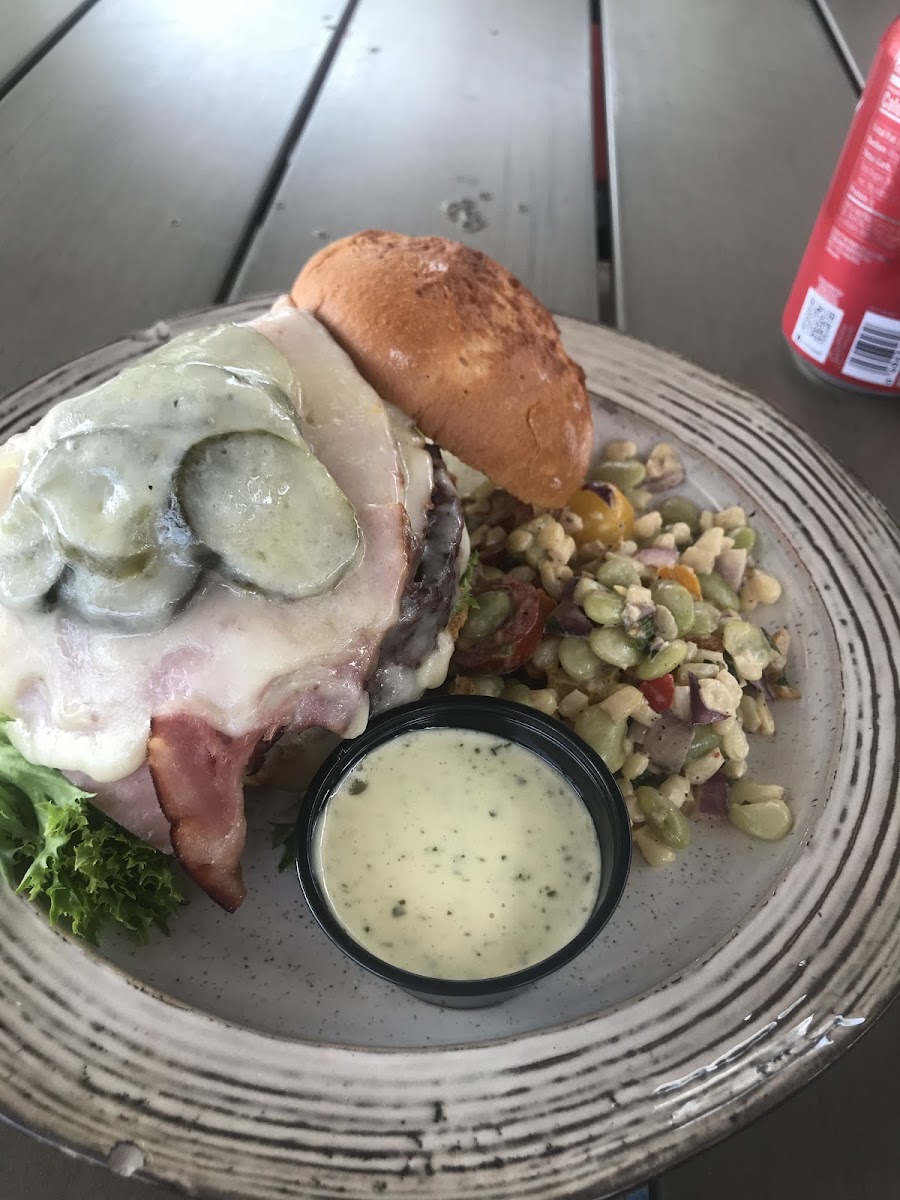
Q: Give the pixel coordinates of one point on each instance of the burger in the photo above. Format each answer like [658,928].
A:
[250,538]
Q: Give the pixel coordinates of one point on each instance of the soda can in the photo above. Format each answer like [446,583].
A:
[842,318]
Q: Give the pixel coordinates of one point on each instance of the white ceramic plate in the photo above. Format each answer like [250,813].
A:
[245,1057]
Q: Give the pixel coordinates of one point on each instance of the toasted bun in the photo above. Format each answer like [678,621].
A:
[457,342]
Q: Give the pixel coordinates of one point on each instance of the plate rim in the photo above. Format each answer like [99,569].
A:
[799,1066]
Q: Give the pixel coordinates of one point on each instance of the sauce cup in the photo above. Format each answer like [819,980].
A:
[583,770]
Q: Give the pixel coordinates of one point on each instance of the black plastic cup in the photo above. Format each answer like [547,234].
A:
[544,736]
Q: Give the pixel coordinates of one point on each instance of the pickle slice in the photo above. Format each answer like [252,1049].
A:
[30,562]
[270,511]
[146,600]
[103,491]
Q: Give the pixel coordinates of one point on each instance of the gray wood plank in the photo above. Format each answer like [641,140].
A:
[432,103]
[836,1140]
[860,25]
[132,156]
[32,1169]
[25,25]
[725,124]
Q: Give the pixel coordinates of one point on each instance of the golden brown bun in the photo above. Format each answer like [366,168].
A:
[457,342]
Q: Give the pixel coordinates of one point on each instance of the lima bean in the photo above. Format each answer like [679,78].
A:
[618,572]
[706,619]
[493,609]
[604,735]
[626,474]
[679,601]
[678,508]
[744,538]
[656,854]
[714,588]
[770,820]
[614,646]
[654,666]
[604,607]
[578,660]
[666,819]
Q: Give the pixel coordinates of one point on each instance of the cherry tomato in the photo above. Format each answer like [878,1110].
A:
[514,641]
[606,514]
[659,693]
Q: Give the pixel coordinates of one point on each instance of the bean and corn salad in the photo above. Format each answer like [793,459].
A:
[634,619]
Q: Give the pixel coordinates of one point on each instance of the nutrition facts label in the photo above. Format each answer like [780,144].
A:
[870,213]
[890,101]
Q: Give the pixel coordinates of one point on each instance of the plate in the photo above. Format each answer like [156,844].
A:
[244,1057]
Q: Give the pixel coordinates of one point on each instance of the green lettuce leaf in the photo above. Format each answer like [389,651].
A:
[466,599]
[57,849]
[284,838]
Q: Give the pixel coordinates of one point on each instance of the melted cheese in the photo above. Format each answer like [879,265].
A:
[82,696]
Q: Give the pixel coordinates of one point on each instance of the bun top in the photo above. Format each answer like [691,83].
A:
[461,346]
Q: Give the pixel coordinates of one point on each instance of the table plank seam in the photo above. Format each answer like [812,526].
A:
[279,168]
[839,44]
[43,47]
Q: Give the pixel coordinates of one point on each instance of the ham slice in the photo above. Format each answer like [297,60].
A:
[132,803]
[198,772]
[234,666]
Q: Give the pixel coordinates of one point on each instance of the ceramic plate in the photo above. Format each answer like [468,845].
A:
[244,1057]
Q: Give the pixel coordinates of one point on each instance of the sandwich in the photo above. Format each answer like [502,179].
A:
[252,533]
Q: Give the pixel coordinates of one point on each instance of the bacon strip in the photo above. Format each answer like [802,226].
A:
[197,772]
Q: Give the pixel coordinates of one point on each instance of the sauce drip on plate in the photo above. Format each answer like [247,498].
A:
[456,854]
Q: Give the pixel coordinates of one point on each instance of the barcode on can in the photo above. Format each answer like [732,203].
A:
[874,356]
[817,325]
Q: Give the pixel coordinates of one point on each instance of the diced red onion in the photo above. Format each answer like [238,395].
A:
[731,565]
[666,743]
[666,481]
[658,556]
[700,713]
[567,617]
[712,796]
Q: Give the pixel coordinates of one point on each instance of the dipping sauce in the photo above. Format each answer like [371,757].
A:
[456,854]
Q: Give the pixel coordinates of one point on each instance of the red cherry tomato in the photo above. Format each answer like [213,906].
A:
[659,693]
[507,648]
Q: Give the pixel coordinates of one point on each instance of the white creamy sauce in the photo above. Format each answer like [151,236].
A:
[455,854]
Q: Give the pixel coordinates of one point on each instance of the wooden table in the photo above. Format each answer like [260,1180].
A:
[162,155]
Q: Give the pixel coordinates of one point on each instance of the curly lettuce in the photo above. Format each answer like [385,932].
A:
[60,851]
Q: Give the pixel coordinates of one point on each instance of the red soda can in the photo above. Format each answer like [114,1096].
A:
[842,318]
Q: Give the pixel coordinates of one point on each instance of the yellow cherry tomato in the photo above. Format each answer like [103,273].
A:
[607,515]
